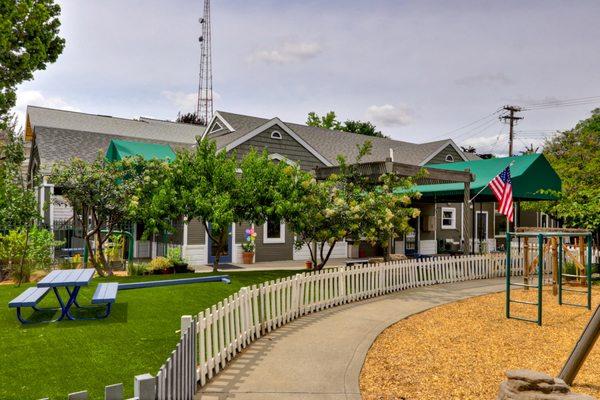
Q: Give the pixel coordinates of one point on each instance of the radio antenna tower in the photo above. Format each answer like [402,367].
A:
[204,107]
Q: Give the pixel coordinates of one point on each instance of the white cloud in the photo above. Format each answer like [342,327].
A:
[37,98]
[186,102]
[388,115]
[287,53]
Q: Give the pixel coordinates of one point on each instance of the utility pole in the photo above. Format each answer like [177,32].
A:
[511,118]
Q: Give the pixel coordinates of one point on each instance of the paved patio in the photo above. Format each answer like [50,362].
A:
[320,356]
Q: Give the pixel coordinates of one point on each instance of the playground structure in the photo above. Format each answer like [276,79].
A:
[549,258]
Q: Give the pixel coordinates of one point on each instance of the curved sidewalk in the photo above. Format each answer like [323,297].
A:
[320,356]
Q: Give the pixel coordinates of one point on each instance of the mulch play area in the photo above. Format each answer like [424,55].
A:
[462,350]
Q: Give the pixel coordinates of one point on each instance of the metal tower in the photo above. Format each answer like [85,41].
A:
[204,107]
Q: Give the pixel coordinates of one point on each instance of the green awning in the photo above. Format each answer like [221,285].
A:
[530,174]
[120,149]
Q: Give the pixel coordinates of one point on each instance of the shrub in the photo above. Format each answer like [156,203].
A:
[38,252]
[135,269]
[160,263]
[174,256]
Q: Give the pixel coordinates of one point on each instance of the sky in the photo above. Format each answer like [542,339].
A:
[419,70]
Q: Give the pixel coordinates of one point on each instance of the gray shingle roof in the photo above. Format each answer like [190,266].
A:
[57,144]
[331,143]
[144,128]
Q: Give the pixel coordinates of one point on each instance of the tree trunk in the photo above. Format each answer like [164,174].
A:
[24,254]
[326,258]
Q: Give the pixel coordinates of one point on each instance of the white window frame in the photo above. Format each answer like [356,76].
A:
[487,225]
[276,135]
[453,224]
[280,239]
[449,158]
[279,157]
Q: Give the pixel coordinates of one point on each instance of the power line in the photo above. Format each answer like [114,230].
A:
[446,134]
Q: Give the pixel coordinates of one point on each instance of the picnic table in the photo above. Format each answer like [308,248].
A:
[72,281]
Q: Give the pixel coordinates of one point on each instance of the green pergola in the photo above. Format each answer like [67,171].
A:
[120,149]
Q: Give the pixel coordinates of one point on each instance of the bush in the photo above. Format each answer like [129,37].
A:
[135,269]
[160,263]
[174,256]
[38,252]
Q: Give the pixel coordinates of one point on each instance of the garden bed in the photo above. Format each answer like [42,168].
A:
[461,350]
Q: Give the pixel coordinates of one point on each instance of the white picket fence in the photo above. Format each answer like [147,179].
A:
[226,328]
[213,338]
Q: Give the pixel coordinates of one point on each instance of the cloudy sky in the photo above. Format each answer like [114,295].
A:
[420,70]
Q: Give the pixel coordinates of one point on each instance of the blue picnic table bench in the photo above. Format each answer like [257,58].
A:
[72,280]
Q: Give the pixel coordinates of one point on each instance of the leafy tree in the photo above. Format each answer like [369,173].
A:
[530,149]
[575,155]
[468,149]
[190,118]
[329,121]
[362,128]
[18,207]
[28,42]
[348,206]
[213,187]
[100,193]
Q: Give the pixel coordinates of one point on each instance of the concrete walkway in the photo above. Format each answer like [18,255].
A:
[269,265]
[320,356]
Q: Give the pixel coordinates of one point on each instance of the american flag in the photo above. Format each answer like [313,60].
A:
[501,186]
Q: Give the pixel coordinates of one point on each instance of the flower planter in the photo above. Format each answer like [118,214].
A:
[248,257]
[308,264]
[181,268]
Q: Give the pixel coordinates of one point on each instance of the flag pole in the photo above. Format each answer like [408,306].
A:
[478,193]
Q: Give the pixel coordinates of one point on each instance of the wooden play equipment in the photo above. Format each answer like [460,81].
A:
[547,258]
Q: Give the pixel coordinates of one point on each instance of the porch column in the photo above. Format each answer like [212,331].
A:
[467,219]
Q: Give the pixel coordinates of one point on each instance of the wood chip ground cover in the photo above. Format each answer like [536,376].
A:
[461,350]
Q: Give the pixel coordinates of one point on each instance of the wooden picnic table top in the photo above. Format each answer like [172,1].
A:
[67,277]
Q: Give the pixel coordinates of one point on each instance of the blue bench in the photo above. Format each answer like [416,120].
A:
[106,293]
[171,282]
[29,298]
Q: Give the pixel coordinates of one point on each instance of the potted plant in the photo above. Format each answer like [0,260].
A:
[249,246]
[179,264]
[308,264]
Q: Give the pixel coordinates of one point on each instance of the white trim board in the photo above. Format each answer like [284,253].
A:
[286,129]
[218,116]
[446,143]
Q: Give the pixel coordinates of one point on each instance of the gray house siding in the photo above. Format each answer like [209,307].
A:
[196,232]
[440,158]
[274,251]
[287,146]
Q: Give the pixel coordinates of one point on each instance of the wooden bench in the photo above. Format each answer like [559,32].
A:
[29,298]
[106,293]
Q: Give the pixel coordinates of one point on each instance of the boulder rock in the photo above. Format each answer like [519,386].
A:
[523,384]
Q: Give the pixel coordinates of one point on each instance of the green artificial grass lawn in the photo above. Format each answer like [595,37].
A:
[55,359]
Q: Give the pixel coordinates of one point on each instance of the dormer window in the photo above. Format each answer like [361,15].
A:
[449,158]
[276,135]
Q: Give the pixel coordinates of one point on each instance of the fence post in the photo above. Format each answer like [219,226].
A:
[144,387]
[296,294]
[113,392]
[186,322]
[342,284]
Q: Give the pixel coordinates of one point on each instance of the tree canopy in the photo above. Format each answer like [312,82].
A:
[575,155]
[329,121]
[18,206]
[29,40]
[190,118]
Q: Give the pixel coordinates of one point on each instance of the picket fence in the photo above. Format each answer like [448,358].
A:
[213,338]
